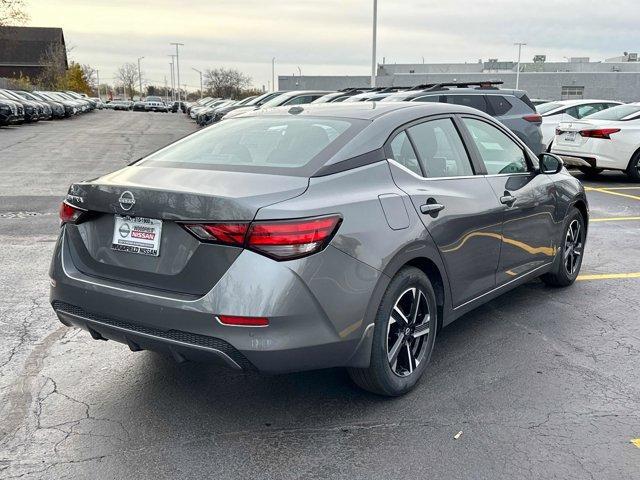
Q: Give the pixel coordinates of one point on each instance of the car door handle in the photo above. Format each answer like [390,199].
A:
[508,199]
[431,208]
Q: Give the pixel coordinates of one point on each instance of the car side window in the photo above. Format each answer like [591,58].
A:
[403,153]
[440,149]
[473,101]
[499,104]
[588,109]
[300,100]
[499,153]
[427,98]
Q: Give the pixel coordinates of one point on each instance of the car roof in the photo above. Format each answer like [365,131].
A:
[569,103]
[359,110]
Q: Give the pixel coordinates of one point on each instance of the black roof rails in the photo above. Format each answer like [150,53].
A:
[485,84]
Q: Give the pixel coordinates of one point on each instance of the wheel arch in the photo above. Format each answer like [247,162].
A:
[633,156]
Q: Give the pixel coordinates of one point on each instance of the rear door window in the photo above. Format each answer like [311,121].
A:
[440,148]
[473,101]
[404,154]
[427,98]
[499,104]
[500,154]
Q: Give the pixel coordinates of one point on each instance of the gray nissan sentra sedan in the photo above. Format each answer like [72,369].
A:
[332,235]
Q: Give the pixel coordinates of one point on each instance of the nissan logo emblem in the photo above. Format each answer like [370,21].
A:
[127,201]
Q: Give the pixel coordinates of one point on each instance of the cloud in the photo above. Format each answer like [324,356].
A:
[331,36]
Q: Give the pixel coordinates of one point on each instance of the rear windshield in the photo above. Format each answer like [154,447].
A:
[275,145]
[547,107]
[154,99]
[620,112]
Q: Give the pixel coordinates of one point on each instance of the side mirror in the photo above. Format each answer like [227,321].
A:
[550,163]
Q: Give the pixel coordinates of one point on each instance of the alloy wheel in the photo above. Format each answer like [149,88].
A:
[407,332]
[573,247]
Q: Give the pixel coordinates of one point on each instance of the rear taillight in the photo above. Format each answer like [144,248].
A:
[69,213]
[559,132]
[533,118]
[599,133]
[278,239]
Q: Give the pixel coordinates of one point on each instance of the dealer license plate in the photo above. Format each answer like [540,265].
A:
[137,235]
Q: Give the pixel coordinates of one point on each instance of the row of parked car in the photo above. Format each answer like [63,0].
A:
[149,104]
[591,135]
[19,106]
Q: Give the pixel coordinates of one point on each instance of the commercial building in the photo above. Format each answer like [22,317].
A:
[612,79]
[24,51]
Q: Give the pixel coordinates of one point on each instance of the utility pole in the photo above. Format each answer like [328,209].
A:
[196,70]
[273,73]
[173,92]
[520,45]
[139,78]
[177,65]
[98,75]
[166,90]
[373,50]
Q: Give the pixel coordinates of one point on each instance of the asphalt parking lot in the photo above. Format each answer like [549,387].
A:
[542,383]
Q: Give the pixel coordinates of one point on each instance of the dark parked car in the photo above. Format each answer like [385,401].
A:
[10,113]
[291,98]
[31,109]
[57,109]
[512,107]
[70,107]
[316,236]
[179,105]
[139,106]
[256,102]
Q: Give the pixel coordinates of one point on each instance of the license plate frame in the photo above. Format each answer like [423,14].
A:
[570,136]
[137,235]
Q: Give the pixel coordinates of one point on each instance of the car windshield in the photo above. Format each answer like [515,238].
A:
[547,107]
[12,95]
[621,112]
[279,145]
[154,99]
[277,101]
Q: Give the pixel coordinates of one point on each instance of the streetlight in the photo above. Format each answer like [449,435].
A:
[373,50]
[196,70]
[177,66]
[520,45]
[173,78]
[98,75]
[273,73]
[140,77]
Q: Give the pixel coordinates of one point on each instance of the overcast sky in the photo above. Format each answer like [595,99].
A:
[325,37]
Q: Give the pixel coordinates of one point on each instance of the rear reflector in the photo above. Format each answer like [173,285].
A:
[533,118]
[243,321]
[599,133]
[68,213]
[278,239]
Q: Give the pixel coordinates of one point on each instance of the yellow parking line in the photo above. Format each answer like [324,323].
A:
[613,219]
[636,442]
[622,188]
[609,276]
[605,190]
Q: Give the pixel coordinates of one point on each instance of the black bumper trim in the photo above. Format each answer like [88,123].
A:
[177,337]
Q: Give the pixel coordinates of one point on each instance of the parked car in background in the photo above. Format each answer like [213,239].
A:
[608,139]
[98,102]
[91,105]
[30,108]
[179,106]
[374,94]
[70,107]
[566,110]
[57,109]
[193,112]
[205,116]
[538,101]
[290,98]
[341,95]
[10,112]
[511,107]
[335,235]
[121,105]
[155,104]
[199,103]
[252,104]
[139,106]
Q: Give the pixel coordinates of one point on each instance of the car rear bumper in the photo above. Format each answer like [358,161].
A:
[315,321]
[589,155]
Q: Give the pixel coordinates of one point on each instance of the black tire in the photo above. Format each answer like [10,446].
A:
[633,170]
[591,172]
[562,275]
[419,334]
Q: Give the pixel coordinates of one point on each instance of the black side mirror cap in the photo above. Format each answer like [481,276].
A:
[550,163]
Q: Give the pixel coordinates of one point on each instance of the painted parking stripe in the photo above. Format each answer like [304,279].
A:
[612,188]
[636,442]
[609,276]
[613,219]
[610,192]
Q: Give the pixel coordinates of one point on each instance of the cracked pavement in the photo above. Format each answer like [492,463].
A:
[543,383]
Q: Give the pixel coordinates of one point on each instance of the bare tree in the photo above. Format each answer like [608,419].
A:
[127,74]
[90,76]
[225,83]
[12,12]
[53,62]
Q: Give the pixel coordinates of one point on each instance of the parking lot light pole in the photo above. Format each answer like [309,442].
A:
[140,77]
[273,73]
[200,73]
[373,50]
[98,79]
[177,66]
[520,45]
